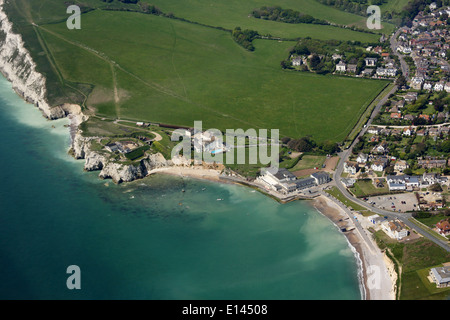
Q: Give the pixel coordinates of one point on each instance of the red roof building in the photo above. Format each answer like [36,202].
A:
[443,227]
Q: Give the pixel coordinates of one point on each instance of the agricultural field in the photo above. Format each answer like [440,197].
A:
[176,72]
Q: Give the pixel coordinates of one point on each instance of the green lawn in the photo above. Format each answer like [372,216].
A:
[338,195]
[365,188]
[177,72]
[308,162]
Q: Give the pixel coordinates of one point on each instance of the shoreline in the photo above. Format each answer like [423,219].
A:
[367,259]
[366,256]
[325,206]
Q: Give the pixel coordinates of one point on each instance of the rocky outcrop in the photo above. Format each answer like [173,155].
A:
[95,161]
[119,172]
[80,146]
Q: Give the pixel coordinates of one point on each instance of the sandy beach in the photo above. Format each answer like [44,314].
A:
[377,271]
[197,172]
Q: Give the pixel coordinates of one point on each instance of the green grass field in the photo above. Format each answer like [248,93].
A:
[365,188]
[232,13]
[177,72]
[308,162]
[143,67]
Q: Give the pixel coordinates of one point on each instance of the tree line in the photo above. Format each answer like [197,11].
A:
[279,14]
[245,37]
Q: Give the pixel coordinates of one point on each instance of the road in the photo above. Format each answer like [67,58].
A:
[394,46]
[344,155]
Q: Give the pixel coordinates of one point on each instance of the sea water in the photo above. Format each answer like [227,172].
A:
[162,237]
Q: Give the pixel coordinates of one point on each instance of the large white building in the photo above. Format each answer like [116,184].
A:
[441,276]
[394,229]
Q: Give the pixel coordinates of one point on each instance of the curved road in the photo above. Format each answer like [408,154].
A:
[344,155]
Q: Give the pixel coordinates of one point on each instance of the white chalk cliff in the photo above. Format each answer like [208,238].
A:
[17,65]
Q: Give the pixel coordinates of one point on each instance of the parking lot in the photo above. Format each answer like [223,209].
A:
[399,202]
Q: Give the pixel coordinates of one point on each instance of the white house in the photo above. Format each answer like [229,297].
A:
[438,86]
[348,182]
[362,158]
[441,276]
[416,83]
[427,86]
[341,66]
[371,62]
[386,72]
[297,61]
[447,87]
[350,167]
[408,131]
[378,166]
[401,165]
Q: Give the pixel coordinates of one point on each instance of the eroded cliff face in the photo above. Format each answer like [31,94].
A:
[18,67]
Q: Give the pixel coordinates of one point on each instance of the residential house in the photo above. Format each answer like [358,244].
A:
[373,130]
[297,61]
[432,163]
[367,72]
[348,182]
[408,131]
[411,97]
[341,66]
[396,115]
[430,178]
[443,227]
[351,68]
[380,164]
[416,83]
[438,86]
[362,158]
[447,87]
[427,86]
[401,165]
[371,62]
[382,148]
[426,117]
[350,167]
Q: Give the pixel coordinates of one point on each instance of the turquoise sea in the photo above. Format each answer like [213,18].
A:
[148,239]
